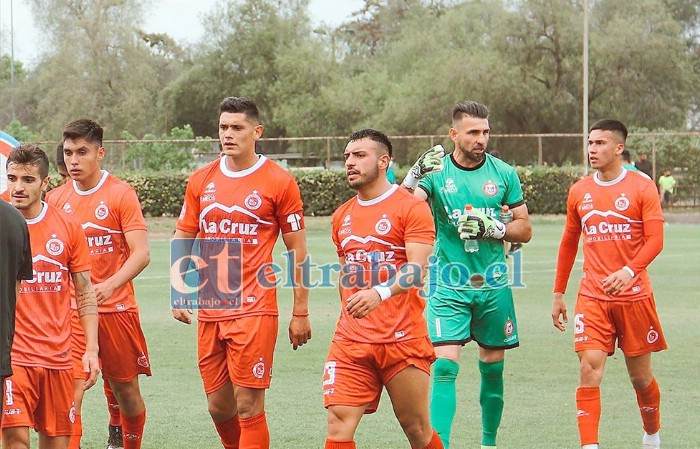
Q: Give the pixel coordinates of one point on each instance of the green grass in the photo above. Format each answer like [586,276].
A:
[541,375]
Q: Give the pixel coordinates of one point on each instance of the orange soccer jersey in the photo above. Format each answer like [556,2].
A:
[611,217]
[371,237]
[250,207]
[42,336]
[107,212]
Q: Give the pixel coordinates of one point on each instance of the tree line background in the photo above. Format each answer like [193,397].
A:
[396,65]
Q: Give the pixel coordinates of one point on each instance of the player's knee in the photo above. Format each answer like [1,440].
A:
[418,431]
[250,403]
[641,381]
[590,375]
[15,443]
[340,428]
[445,370]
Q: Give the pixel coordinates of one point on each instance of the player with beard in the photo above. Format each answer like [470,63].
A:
[383,238]
[473,302]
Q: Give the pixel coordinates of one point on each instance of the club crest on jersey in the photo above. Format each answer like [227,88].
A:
[490,188]
[253,201]
[508,328]
[652,336]
[259,369]
[449,187]
[383,226]
[101,212]
[54,246]
[622,203]
[210,188]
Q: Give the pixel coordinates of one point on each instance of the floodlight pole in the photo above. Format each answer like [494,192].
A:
[585,88]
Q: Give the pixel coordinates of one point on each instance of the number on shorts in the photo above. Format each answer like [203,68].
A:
[578,323]
[329,374]
[9,400]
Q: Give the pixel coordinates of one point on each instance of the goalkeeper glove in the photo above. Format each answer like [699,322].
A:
[428,162]
[477,225]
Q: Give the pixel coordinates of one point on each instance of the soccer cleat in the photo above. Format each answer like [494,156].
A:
[115,440]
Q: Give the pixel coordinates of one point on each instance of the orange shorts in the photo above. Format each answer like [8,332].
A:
[634,324]
[39,398]
[77,346]
[355,373]
[239,350]
[123,351]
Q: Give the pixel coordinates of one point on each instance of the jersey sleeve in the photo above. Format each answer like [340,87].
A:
[514,191]
[651,204]
[130,213]
[334,234]
[290,215]
[426,184]
[189,215]
[419,225]
[568,247]
[80,254]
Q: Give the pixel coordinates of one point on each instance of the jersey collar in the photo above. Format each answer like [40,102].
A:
[239,174]
[378,199]
[94,189]
[609,183]
[42,214]
[461,167]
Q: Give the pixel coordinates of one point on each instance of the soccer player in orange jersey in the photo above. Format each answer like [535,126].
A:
[40,392]
[111,216]
[246,197]
[383,238]
[617,212]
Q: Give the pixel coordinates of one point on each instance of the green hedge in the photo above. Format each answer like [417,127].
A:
[161,193]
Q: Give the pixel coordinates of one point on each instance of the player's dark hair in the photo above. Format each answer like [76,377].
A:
[374,135]
[626,155]
[60,162]
[615,126]
[84,128]
[29,154]
[469,108]
[240,105]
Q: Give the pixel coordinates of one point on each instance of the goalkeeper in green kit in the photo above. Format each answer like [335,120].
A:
[470,297]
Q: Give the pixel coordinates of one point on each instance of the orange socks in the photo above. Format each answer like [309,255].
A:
[112,406]
[132,429]
[330,444]
[588,412]
[435,442]
[649,400]
[76,433]
[254,432]
[230,432]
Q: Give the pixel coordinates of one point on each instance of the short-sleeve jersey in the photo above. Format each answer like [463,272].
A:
[43,307]
[15,265]
[251,207]
[611,216]
[106,212]
[371,236]
[486,187]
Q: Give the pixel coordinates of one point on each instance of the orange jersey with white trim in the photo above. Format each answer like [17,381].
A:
[107,212]
[250,207]
[42,334]
[371,236]
[611,216]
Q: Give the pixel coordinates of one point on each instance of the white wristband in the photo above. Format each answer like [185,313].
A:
[383,290]
[411,181]
[628,270]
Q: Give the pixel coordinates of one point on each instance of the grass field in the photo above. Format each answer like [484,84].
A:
[541,375]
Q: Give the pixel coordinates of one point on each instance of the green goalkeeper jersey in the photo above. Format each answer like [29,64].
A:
[486,187]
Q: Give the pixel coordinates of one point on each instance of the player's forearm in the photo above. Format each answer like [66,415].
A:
[87,308]
[518,231]
[139,259]
[297,249]
[565,260]
[653,244]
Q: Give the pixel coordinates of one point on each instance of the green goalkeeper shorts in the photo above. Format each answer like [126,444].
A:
[487,316]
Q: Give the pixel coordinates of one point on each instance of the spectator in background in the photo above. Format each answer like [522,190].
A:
[390,175]
[667,187]
[643,164]
[61,164]
[627,163]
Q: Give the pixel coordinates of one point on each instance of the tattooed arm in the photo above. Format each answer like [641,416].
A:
[87,310]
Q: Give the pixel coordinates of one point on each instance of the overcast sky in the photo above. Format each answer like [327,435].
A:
[181,19]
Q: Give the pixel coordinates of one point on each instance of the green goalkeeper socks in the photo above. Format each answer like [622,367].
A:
[491,399]
[443,402]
